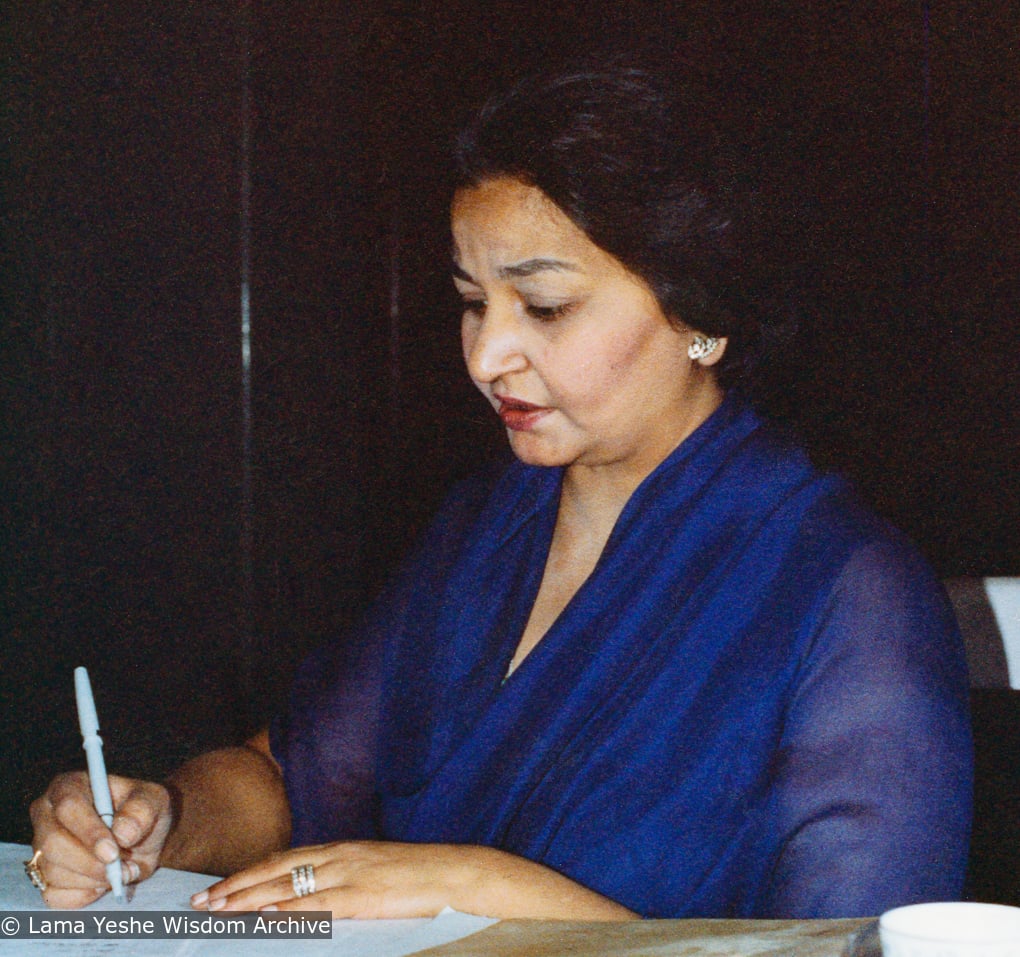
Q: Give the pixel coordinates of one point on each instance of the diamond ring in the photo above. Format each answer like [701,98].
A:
[302,879]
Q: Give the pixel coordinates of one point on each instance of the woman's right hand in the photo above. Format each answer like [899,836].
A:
[76,845]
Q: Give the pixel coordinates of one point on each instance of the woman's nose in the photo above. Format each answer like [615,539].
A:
[493,345]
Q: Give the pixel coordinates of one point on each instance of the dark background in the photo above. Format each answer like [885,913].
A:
[884,134]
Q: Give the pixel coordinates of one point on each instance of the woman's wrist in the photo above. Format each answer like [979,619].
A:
[170,851]
[499,884]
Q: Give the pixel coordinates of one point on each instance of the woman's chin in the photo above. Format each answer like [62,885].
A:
[532,450]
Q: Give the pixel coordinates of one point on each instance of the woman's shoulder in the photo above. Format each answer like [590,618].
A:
[769,492]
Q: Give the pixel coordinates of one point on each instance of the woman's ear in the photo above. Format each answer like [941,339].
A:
[716,354]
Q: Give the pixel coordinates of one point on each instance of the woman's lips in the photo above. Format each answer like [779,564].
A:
[518,415]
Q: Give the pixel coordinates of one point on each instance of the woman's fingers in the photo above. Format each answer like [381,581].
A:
[66,812]
[141,822]
[64,861]
[267,882]
[76,845]
[256,896]
[276,893]
[62,898]
[70,836]
[352,879]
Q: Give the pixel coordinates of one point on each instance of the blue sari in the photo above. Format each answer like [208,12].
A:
[756,705]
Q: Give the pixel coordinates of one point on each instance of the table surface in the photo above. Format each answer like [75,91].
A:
[659,938]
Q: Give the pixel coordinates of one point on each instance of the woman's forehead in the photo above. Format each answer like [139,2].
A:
[515,228]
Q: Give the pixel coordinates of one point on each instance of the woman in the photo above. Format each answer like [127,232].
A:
[658,666]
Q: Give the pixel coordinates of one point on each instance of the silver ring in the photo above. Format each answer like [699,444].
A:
[302,879]
[35,874]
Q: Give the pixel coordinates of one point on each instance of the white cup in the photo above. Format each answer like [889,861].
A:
[959,929]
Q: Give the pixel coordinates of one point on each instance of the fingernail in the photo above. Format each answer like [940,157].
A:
[217,903]
[197,900]
[131,872]
[106,850]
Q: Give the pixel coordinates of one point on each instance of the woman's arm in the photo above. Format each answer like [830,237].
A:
[380,879]
[872,783]
[229,810]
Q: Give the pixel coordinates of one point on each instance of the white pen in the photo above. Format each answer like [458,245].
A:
[93,744]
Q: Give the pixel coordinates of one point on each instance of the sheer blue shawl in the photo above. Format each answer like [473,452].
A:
[755,706]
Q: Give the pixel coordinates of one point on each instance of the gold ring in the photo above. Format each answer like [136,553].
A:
[35,874]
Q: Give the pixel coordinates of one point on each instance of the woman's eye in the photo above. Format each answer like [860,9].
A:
[473,307]
[548,313]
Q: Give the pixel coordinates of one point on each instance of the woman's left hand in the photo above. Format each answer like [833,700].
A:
[377,879]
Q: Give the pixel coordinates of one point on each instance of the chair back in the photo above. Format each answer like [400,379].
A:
[988,612]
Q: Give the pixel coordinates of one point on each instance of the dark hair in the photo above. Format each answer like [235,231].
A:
[637,166]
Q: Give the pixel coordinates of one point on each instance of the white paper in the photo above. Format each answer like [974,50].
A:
[169,890]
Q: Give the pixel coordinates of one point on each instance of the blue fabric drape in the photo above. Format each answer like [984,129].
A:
[756,704]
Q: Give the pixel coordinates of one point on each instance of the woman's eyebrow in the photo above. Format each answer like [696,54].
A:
[531,266]
[516,270]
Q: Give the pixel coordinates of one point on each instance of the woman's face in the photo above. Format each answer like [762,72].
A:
[572,349]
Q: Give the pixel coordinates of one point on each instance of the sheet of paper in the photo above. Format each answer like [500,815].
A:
[169,890]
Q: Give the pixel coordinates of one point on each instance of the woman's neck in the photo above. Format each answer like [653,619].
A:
[593,496]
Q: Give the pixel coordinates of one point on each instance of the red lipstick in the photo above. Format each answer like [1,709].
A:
[518,415]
